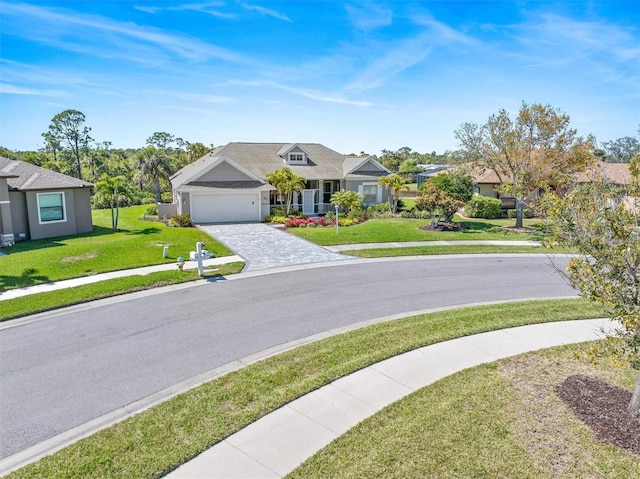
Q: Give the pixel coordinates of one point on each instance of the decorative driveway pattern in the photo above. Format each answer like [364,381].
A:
[265,247]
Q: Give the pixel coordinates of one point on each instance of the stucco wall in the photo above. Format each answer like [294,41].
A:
[82,202]
[19,215]
[78,216]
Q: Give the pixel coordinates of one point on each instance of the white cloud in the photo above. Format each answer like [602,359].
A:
[307,93]
[369,16]
[209,8]
[100,34]
[193,97]
[8,89]
[266,11]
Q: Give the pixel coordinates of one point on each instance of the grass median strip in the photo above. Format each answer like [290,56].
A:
[37,303]
[163,437]
[441,250]
[495,420]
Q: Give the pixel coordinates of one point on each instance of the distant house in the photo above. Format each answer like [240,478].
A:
[38,203]
[229,183]
[429,171]
[617,173]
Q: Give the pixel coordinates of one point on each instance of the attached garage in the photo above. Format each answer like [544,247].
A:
[225,207]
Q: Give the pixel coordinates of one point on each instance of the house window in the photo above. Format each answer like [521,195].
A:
[296,157]
[51,207]
[370,193]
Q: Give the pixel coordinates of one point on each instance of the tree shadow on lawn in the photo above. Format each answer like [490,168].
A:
[145,231]
[27,278]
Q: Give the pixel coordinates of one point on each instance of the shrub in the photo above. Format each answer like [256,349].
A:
[181,221]
[277,211]
[152,210]
[379,208]
[483,207]
[303,222]
[275,219]
[512,213]
[356,215]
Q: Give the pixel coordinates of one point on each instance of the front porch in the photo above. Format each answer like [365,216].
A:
[314,199]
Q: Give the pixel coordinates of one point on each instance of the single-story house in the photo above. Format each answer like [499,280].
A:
[616,173]
[429,171]
[229,183]
[38,203]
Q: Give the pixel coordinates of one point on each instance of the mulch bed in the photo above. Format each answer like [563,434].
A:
[602,407]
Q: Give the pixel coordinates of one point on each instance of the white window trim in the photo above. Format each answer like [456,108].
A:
[296,162]
[64,208]
[378,189]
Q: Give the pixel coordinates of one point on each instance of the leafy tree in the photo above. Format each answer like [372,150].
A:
[154,167]
[621,150]
[409,169]
[601,222]
[67,128]
[113,188]
[395,183]
[434,200]
[286,182]
[457,184]
[392,159]
[161,140]
[536,150]
[7,153]
[347,200]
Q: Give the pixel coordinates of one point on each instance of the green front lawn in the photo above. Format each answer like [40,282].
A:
[37,303]
[388,230]
[157,440]
[138,243]
[442,250]
[500,420]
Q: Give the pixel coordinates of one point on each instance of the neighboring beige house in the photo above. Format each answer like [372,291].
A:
[229,183]
[487,182]
[38,203]
[617,173]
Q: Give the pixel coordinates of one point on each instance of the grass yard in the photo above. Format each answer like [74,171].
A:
[497,420]
[406,229]
[441,250]
[138,243]
[31,304]
[158,440]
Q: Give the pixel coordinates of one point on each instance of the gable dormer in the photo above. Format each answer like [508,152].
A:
[293,154]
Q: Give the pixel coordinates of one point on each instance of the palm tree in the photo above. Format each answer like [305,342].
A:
[395,183]
[112,187]
[287,183]
[347,200]
[153,167]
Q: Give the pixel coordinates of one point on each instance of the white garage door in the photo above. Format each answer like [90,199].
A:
[225,208]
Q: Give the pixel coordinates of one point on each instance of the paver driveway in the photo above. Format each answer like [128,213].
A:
[264,247]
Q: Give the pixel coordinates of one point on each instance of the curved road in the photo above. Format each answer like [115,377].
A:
[68,368]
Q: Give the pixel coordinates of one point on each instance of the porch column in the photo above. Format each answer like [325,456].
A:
[321,196]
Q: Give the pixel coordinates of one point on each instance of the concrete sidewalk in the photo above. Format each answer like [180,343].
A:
[279,442]
[72,283]
[409,244]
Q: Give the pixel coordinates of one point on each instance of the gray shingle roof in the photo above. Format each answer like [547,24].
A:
[262,158]
[25,176]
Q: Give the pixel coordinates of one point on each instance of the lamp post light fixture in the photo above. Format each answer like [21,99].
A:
[337,224]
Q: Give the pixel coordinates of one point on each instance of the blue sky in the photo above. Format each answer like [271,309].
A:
[354,76]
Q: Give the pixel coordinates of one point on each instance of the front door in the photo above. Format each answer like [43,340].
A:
[308,202]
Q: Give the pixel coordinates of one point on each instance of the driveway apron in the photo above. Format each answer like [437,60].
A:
[265,247]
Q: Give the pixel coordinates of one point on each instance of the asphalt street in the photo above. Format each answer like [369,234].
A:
[66,369]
